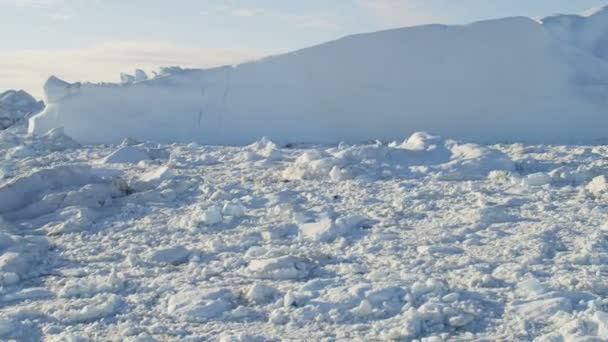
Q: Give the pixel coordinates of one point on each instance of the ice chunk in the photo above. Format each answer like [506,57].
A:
[260,293]
[543,308]
[212,215]
[174,255]
[29,294]
[201,305]
[21,191]
[88,310]
[233,209]
[460,320]
[21,257]
[285,267]
[327,230]
[17,105]
[537,179]
[127,155]
[92,285]
[597,186]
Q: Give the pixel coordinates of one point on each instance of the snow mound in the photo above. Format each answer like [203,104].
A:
[422,152]
[458,81]
[44,191]
[285,267]
[16,105]
[201,305]
[327,229]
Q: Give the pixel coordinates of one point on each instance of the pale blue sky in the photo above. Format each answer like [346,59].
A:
[95,39]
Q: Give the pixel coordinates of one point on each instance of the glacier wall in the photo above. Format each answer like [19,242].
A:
[512,79]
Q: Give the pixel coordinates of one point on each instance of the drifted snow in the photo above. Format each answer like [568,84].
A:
[424,238]
[512,79]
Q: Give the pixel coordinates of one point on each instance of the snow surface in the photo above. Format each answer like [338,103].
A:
[511,79]
[424,239]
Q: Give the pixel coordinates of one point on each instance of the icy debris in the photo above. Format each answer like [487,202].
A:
[22,191]
[313,164]
[438,249]
[233,209]
[459,321]
[212,215]
[158,175]
[471,161]
[588,325]
[261,294]
[420,288]
[266,149]
[531,287]
[280,232]
[71,220]
[91,309]
[20,257]
[542,309]
[92,285]
[597,186]
[17,105]
[126,155]
[327,229]
[537,179]
[84,201]
[54,140]
[201,305]
[450,160]
[281,268]
[317,231]
[450,297]
[33,293]
[423,141]
[386,301]
[337,174]
[278,317]
[174,255]
[243,337]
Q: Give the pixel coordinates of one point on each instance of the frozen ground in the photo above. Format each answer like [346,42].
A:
[423,240]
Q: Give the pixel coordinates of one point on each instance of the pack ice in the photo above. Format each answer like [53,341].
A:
[512,79]
[424,238]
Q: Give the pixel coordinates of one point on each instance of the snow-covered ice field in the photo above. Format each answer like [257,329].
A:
[427,239]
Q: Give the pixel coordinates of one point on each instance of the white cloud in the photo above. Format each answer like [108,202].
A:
[103,62]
